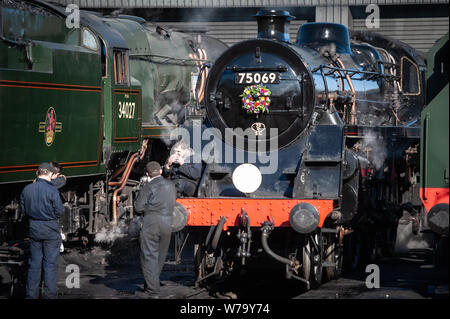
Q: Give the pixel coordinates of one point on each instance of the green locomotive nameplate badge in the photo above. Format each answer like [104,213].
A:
[50,127]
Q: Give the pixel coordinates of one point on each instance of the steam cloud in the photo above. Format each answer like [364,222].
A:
[108,236]
[377,148]
[406,240]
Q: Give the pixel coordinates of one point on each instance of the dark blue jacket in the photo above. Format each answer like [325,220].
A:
[159,196]
[188,171]
[43,205]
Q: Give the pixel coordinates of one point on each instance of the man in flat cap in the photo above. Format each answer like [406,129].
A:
[157,201]
[42,204]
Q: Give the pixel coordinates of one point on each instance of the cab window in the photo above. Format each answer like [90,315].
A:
[89,40]
[409,77]
[121,67]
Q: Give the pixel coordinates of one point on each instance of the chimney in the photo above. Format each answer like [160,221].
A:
[274,24]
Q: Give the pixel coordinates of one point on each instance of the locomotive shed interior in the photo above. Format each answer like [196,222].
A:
[318,151]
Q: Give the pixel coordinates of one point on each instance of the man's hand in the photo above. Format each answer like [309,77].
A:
[171,159]
[56,175]
[180,160]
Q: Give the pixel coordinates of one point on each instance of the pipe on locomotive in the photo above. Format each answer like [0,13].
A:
[333,39]
[126,167]
[203,56]
[266,229]
[352,116]
[117,173]
[125,176]
[122,185]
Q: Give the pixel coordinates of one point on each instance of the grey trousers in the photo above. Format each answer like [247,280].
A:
[154,241]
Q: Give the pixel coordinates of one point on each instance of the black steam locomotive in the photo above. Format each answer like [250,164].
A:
[310,160]
[309,149]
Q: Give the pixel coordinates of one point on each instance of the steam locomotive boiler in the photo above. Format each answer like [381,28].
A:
[293,165]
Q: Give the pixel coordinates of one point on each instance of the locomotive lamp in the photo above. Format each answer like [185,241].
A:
[304,218]
[247,178]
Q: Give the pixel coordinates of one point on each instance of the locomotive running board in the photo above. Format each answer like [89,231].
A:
[359,131]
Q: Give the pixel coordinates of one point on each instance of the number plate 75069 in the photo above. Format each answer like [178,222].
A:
[257,78]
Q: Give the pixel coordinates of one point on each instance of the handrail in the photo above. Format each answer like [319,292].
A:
[425,157]
[343,69]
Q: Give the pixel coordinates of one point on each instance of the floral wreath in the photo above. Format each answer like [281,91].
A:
[255,99]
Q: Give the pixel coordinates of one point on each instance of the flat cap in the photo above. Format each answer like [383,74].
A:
[153,168]
[48,166]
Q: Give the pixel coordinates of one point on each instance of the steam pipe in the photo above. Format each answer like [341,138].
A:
[120,170]
[117,173]
[266,229]
[201,93]
[126,173]
[122,185]
[341,79]
[127,170]
[326,86]
[127,166]
[203,74]
[352,88]
[125,177]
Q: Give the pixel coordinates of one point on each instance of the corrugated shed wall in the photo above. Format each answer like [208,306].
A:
[233,3]
[420,33]
[230,32]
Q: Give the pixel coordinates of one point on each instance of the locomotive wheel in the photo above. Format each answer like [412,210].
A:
[206,264]
[333,254]
[313,259]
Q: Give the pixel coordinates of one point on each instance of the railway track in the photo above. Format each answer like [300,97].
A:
[102,275]
[411,275]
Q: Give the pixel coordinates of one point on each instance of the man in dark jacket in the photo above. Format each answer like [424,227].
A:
[42,204]
[157,201]
[183,169]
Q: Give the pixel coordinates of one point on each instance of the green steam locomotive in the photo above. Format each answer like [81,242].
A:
[434,169]
[90,92]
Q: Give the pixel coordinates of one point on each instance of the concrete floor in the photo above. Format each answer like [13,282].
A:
[410,275]
[115,274]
